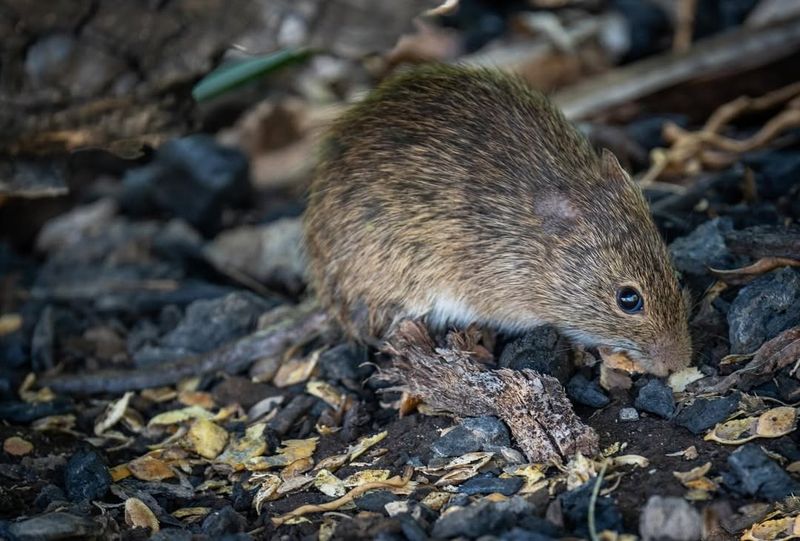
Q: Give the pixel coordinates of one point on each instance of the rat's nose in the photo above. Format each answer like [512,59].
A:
[670,355]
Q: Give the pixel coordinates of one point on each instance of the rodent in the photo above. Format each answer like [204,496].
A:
[460,195]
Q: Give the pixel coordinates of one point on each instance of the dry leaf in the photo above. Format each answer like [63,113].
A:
[118,473]
[611,379]
[327,393]
[620,361]
[180,415]
[206,438]
[197,398]
[112,414]
[364,444]
[296,370]
[773,423]
[774,530]
[10,323]
[690,453]
[159,395]
[295,483]
[138,515]
[241,450]
[329,484]
[297,467]
[290,451]
[268,488]
[746,274]
[365,476]
[150,468]
[693,474]
[533,474]
[16,446]
[193,514]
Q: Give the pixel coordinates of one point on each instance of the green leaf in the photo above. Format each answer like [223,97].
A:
[230,76]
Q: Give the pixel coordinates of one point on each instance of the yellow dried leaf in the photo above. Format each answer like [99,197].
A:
[240,450]
[579,470]
[690,453]
[296,370]
[206,438]
[297,467]
[693,474]
[333,462]
[150,468]
[365,476]
[436,500]
[776,422]
[192,513]
[697,495]
[620,361]
[774,530]
[180,415]
[611,379]
[329,484]
[138,515]
[16,446]
[326,530]
[327,393]
[196,398]
[159,395]
[118,473]
[363,445]
[531,473]
[631,460]
[704,483]
[10,323]
[112,414]
[55,423]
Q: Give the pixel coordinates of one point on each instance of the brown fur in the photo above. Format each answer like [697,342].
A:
[460,195]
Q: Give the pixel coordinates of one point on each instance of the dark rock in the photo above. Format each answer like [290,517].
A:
[375,501]
[473,434]
[86,476]
[518,534]
[172,534]
[647,24]
[194,178]
[763,309]
[48,495]
[586,392]
[704,413]
[24,412]
[753,473]
[411,528]
[12,351]
[344,363]
[241,499]
[207,325]
[483,518]
[543,350]
[223,521]
[712,16]
[489,485]
[669,519]
[575,508]
[656,397]
[60,525]
[777,172]
[647,131]
[285,418]
[704,247]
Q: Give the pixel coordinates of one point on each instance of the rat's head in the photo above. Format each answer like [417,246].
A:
[617,286]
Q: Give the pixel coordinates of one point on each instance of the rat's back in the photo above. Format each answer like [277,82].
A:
[423,191]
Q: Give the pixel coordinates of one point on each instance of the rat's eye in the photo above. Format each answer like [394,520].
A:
[629,300]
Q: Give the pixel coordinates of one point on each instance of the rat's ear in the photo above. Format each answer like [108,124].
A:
[610,167]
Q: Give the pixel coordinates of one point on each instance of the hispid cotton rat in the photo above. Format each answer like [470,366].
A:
[459,195]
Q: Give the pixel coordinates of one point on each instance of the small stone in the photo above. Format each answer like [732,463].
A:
[628,415]
[172,534]
[753,473]
[648,131]
[704,413]
[656,397]
[223,521]
[542,350]
[86,476]
[489,485]
[669,519]
[763,309]
[411,528]
[375,501]
[343,363]
[193,177]
[586,392]
[483,518]
[575,509]
[473,434]
[776,172]
[704,247]
[59,525]
[48,495]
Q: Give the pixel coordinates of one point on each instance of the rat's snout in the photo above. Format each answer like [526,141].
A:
[669,355]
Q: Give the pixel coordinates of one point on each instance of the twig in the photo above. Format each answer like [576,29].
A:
[682,41]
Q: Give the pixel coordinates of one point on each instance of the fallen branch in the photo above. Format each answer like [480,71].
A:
[533,405]
[290,325]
